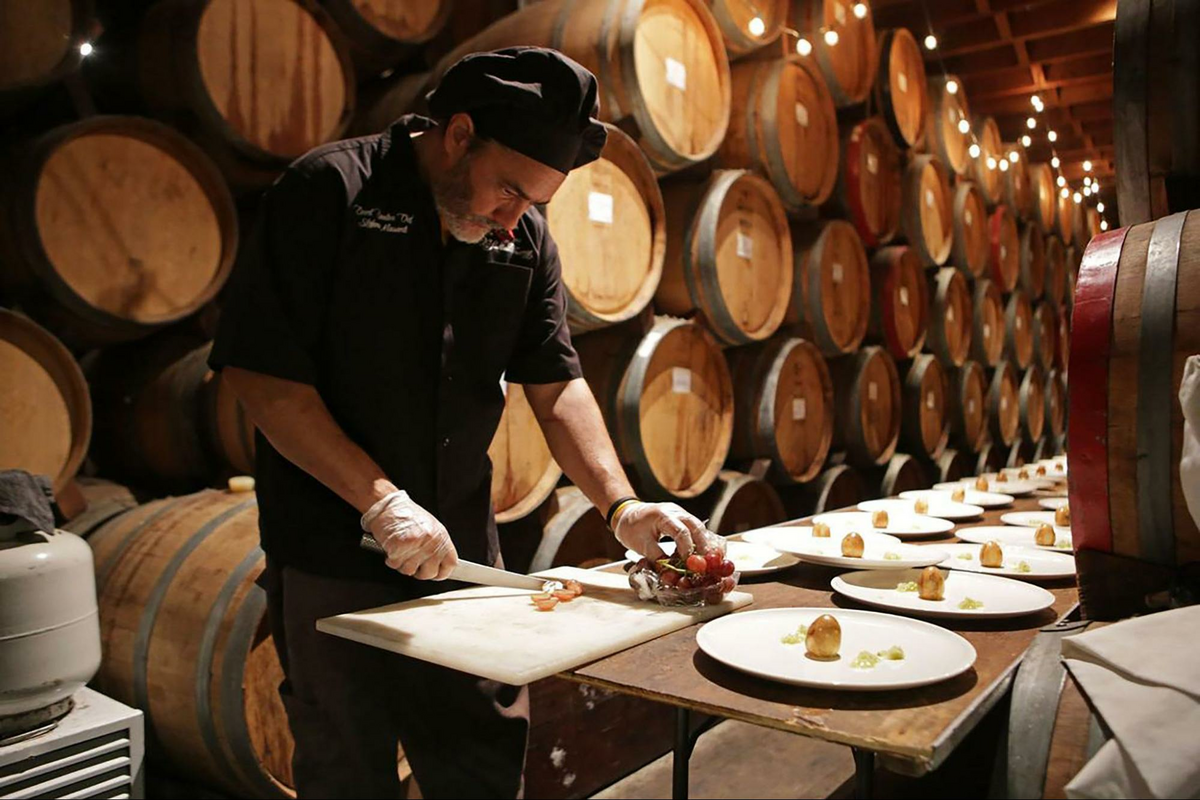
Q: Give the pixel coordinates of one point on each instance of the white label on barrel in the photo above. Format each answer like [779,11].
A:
[1019,324]
[1003,252]
[968,217]
[971,406]
[950,314]
[903,295]
[839,11]
[600,207]
[837,272]
[1003,404]
[929,197]
[681,380]
[987,331]
[676,74]
[902,79]
[872,163]
[745,246]
[802,114]
[930,401]
[872,391]
[799,409]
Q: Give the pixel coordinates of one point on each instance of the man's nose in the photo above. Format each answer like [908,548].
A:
[509,215]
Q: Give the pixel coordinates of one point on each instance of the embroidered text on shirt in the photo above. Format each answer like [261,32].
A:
[383,221]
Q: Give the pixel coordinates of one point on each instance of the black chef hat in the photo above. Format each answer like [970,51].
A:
[532,99]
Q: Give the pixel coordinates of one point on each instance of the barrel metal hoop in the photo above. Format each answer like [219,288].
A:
[130,537]
[703,284]
[1156,355]
[629,404]
[772,149]
[766,424]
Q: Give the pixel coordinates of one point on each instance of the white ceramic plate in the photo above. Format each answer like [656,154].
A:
[1016,535]
[1052,468]
[1012,487]
[1031,519]
[749,559]
[901,525]
[751,642]
[876,552]
[784,537]
[1039,564]
[1052,503]
[940,506]
[1001,597]
[982,499]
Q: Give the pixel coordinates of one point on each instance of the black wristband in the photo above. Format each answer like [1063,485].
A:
[608,518]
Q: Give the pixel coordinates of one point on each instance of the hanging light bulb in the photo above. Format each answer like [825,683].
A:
[952,86]
[991,162]
[831,37]
[1037,101]
[1062,181]
[1065,193]
[85,49]
[1100,206]
[1052,136]
[1103,224]
[964,126]
[1087,191]
[1031,123]
[1087,166]
[1054,162]
[757,27]
[1026,140]
[1077,197]
[1087,180]
[1014,156]
[1096,187]
[1004,165]
[974,150]
[931,42]
[803,46]
[860,10]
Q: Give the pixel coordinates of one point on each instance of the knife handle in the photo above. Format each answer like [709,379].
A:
[367,542]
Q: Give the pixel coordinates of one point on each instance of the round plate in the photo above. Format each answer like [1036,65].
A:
[903,526]
[784,537]
[975,498]
[1013,487]
[940,506]
[1001,597]
[748,558]
[1052,468]
[1016,535]
[876,551]
[1031,519]
[1039,564]
[1052,503]
[751,641]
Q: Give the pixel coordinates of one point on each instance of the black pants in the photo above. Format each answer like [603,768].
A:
[348,704]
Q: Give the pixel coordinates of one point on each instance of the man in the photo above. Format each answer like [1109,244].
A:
[390,285]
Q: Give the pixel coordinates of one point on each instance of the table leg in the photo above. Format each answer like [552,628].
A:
[864,773]
[682,754]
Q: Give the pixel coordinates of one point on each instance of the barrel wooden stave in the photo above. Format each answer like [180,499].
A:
[950,317]
[831,292]
[1004,412]
[925,429]
[1004,252]
[1045,196]
[987,324]
[868,406]
[737,502]
[971,249]
[870,181]
[946,111]
[899,301]
[1032,398]
[735,18]
[1045,335]
[903,473]
[1018,327]
[954,465]
[40,44]
[381,34]
[928,210]
[968,407]
[838,486]
[382,102]
[985,168]
[574,534]
[1056,404]
[1032,277]
[524,473]
[848,65]
[1056,271]
[900,86]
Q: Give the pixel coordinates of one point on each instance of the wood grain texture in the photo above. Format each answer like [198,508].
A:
[1004,252]
[524,473]
[946,110]
[972,234]
[1032,398]
[1045,196]
[849,64]
[737,502]
[734,18]
[1045,334]
[867,398]
[1018,183]
[1004,413]
[925,429]
[1018,326]
[870,182]
[987,324]
[899,301]
[950,317]
[831,293]
[39,42]
[901,474]
[928,210]
[1033,261]
[985,168]
[900,86]
[968,407]
[574,534]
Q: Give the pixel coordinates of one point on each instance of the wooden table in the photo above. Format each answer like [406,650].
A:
[912,731]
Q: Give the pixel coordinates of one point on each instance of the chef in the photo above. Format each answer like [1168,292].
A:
[392,285]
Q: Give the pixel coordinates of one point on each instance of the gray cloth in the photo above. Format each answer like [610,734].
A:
[348,704]
[28,497]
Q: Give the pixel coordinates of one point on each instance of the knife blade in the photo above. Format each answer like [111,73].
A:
[470,572]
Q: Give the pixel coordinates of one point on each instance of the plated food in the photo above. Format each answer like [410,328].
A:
[1014,487]
[1052,503]
[901,522]
[1031,519]
[1017,535]
[1024,563]
[947,594]
[936,504]
[970,496]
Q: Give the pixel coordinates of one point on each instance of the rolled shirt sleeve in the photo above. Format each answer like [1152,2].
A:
[544,353]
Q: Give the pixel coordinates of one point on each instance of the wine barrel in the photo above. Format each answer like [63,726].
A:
[968,407]
[839,486]
[1062,342]
[899,302]
[45,409]
[869,183]
[524,473]
[668,402]
[1022,452]
[867,402]
[574,534]
[746,26]
[1079,232]
[1018,327]
[946,139]
[950,317]
[783,124]
[972,233]
[900,86]
[1045,335]
[214,68]
[987,324]
[954,465]
[115,226]
[737,503]
[1045,196]
[1064,212]
[103,500]
[662,67]
[1018,187]
[991,458]
[185,639]
[1056,404]
[1033,261]
[903,473]
[1056,270]
[1092,228]
[1004,254]
[728,255]
[985,168]
[1032,396]
[925,429]
[384,101]
[928,210]
[1131,337]
[783,407]
[40,43]
[164,420]
[1004,412]
[831,293]
[610,225]
[381,34]
[849,62]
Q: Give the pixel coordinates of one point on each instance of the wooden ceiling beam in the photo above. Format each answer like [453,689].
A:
[1061,16]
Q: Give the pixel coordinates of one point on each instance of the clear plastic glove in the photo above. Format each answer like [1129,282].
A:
[415,542]
[640,526]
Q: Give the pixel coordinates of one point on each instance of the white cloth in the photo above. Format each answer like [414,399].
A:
[1143,678]
[1189,462]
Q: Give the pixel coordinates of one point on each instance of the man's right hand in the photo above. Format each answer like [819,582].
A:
[415,542]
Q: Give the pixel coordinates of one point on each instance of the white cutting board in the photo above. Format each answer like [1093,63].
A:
[499,634]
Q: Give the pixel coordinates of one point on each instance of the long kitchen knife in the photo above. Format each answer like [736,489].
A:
[470,572]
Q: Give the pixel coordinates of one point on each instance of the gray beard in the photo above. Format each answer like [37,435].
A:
[452,196]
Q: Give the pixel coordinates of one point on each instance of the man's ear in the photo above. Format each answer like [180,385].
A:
[460,131]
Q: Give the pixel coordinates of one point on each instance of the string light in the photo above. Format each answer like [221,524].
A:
[1031,123]
[85,49]
[952,86]
[931,42]
[1087,191]
[757,26]
[1003,165]
[860,10]
[803,46]
[1052,136]
[1100,206]
[1026,140]
[831,37]
[1014,156]
[1087,180]
[974,150]
[1037,103]
[991,162]
[1087,166]
[1065,192]
[1078,198]
[1096,187]
[1103,224]
[1054,162]
[964,126]
[1062,181]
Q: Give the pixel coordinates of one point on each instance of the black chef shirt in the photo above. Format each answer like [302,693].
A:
[345,284]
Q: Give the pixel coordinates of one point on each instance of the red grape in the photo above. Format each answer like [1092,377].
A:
[669,577]
[697,563]
[726,585]
[726,569]
[713,559]
[684,584]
